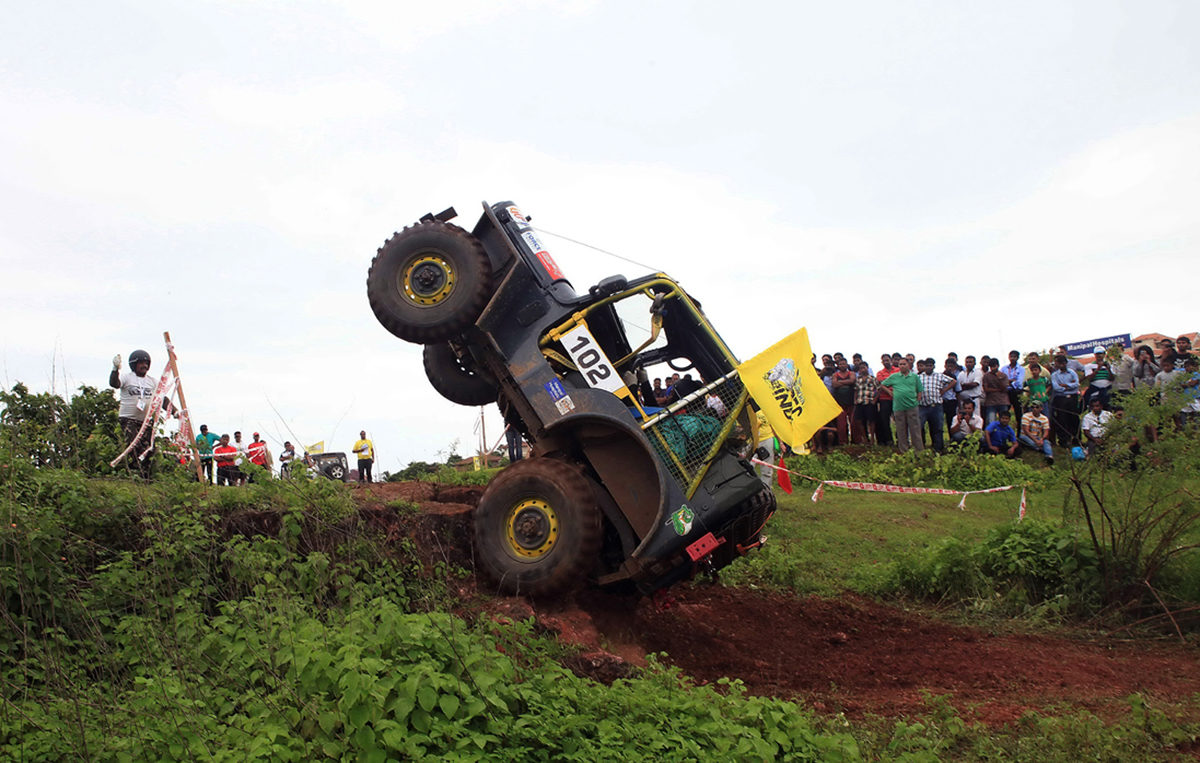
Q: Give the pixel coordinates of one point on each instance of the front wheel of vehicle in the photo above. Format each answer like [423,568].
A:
[538,528]
[429,282]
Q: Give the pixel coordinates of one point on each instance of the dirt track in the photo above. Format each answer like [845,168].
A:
[849,654]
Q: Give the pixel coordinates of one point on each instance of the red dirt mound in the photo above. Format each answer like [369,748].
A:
[850,654]
[859,656]
[439,527]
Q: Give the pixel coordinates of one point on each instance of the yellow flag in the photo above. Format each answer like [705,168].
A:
[316,447]
[784,384]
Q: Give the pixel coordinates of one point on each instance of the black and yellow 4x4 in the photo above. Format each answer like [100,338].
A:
[619,491]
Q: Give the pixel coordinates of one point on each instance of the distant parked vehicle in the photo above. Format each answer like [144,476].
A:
[331,465]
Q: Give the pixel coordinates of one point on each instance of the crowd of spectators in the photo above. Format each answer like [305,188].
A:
[230,457]
[1033,404]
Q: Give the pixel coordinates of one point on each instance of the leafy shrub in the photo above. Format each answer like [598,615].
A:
[450,476]
[961,467]
[1018,567]
[80,433]
[1035,561]
[948,570]
[1138,496]
[192,636]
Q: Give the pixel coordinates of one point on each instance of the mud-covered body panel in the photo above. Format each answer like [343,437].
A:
[663,491]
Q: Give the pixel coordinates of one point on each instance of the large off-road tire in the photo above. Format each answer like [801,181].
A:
[455,380]
[537,528]
[429,282]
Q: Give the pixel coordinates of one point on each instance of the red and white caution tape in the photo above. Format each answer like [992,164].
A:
[875,487]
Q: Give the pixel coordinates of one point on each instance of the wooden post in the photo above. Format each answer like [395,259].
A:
[186,415]
[483,437]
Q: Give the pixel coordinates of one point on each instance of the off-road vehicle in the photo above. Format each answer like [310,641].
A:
[331,465]
[619,491]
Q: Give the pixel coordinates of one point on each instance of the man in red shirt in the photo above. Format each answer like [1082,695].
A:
[883,425]
[259,455]
[225,455]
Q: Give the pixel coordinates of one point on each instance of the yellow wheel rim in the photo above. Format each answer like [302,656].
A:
[427,280]
[531,528]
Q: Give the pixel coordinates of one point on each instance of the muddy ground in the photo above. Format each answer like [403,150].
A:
[849,654]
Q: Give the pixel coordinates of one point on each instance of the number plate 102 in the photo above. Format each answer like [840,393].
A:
[591,361]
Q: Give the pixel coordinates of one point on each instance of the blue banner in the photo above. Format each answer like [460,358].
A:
[1087,346]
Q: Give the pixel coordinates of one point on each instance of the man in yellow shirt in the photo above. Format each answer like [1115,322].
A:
[766,441]
[366,456]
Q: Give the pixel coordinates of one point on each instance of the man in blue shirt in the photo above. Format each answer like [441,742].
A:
[1016,381]
[1064,404]
[1000,438]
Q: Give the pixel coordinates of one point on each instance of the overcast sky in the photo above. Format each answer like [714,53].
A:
[909,176]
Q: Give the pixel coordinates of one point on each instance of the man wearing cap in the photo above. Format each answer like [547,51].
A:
[1099,379]
[259,455]
[366,456]
[204,445]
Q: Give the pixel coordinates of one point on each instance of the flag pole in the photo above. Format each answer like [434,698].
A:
[185,415]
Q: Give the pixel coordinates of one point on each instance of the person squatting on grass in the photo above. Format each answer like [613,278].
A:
[1000,438]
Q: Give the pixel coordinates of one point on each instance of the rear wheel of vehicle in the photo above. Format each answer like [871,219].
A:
[429,282]
[538,528]
[456,379]
[336,472]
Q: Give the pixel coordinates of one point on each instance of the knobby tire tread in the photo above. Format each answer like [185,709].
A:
[569,564]
[401,318]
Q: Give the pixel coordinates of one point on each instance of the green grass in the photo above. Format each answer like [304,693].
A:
[846,540]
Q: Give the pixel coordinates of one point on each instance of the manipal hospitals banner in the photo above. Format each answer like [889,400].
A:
[1087,346]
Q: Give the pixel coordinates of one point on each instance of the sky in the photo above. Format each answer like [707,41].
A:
[915,177]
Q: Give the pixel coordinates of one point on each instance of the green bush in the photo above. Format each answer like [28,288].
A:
[1138,496]
[1021,567]
[81,433]
[450,476]
[194,635]
[961,467]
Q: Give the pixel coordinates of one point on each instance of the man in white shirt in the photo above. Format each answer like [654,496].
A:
[1094,423]
[241,457]
[970,381]
[965,422]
